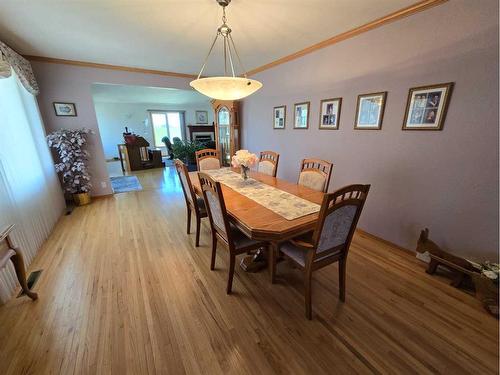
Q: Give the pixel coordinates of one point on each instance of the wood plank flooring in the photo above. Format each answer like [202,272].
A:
[124,291]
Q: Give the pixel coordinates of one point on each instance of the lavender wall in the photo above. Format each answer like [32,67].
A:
[68,83]
[445,180]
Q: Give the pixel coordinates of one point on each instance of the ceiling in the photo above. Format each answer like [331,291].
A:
[139,94]
[174,35]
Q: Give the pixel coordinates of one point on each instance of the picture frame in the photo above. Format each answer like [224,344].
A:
[202,117]
[370,111]
[329,113]
[426,106]
[301,115]
[65,109]
[279,117]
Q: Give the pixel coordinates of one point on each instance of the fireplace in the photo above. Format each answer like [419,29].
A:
[201,133]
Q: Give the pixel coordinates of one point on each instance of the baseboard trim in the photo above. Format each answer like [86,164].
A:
[367,234]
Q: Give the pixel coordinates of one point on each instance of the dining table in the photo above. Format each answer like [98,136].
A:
[261,223]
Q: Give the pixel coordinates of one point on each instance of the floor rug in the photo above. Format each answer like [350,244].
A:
[122,184]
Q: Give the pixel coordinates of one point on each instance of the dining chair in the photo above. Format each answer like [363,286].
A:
[329,242]
[193,203]
[268,163]
[235,241]
[9,251]
[207,159]
[315,174]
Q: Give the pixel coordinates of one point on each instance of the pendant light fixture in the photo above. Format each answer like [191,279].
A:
[228,87]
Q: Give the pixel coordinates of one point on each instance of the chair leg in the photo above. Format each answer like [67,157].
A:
[198,223]
[232,261]
[188,220]
[214,251]
[308,294]
[18,262]
[342,268]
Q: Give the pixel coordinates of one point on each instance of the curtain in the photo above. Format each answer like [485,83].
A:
[30,194]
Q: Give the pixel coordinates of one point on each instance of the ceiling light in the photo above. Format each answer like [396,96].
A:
[228,87]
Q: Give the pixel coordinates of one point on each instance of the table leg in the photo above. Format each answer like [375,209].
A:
[271,260]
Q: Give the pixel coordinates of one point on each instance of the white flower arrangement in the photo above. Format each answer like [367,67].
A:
[72,158]
[243,158]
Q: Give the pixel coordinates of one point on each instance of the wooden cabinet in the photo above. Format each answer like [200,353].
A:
[227,129]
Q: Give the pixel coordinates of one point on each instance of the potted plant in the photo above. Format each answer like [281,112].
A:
[72,165]
[486,285]
[185,151]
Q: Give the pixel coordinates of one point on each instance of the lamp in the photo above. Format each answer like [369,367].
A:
[226,87]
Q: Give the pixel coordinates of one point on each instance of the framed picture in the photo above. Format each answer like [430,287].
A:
[301,115]
[279,117]
[426,107]
[329,113]
[65,109]
[370,111]
[201,117]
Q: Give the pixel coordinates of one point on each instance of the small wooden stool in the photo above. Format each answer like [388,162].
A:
[8,251]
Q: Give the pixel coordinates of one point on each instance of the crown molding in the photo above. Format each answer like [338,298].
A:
[107,66]
[397,15]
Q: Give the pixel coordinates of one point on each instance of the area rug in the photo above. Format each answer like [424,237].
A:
[122,184]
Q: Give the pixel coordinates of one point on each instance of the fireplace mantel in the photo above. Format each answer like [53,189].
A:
[200,129]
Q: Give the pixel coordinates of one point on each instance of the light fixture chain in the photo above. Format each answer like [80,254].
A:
[230,58]
[208,55]
[238,56]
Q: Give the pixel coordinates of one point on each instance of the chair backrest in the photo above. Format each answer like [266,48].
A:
[315,174]
[207,159]
[268,163]
[214,202]
[187,188]
[338,217]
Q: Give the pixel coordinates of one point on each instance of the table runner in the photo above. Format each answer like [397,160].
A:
[284,204]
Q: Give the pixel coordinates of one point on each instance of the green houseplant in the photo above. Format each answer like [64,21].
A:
[185,151]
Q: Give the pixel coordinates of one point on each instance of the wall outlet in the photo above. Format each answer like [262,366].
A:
[104,185]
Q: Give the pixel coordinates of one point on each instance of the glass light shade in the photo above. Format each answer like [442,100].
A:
[226,88]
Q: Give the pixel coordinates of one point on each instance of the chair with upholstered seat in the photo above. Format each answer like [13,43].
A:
[193,203]
[223,231]
[207,159]
[9,252]
[268,163]
[330,240]
[315,174]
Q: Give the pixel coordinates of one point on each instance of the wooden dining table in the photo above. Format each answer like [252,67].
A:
[260,223]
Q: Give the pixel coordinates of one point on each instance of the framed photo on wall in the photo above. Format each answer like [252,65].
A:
[329,113]
[279,117]
[427,106]
[370,111]
[202,117]
[65,109]
[301,115]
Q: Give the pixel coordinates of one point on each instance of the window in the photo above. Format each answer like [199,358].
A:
[167,124]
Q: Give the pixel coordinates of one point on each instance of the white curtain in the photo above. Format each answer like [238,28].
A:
[30,194]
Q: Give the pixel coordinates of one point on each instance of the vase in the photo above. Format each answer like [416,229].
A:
[81,199]
[244,172]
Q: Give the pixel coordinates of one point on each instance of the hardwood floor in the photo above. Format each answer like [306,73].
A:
[124,290]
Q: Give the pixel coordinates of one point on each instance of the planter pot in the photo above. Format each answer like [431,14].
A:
[81,199]
[192,167]
[486,292]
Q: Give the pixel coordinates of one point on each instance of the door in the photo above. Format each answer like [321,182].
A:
[167,124]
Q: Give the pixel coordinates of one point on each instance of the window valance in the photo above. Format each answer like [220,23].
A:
[21,67]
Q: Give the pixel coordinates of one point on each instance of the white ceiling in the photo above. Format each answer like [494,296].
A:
[174,35]
[140,94]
